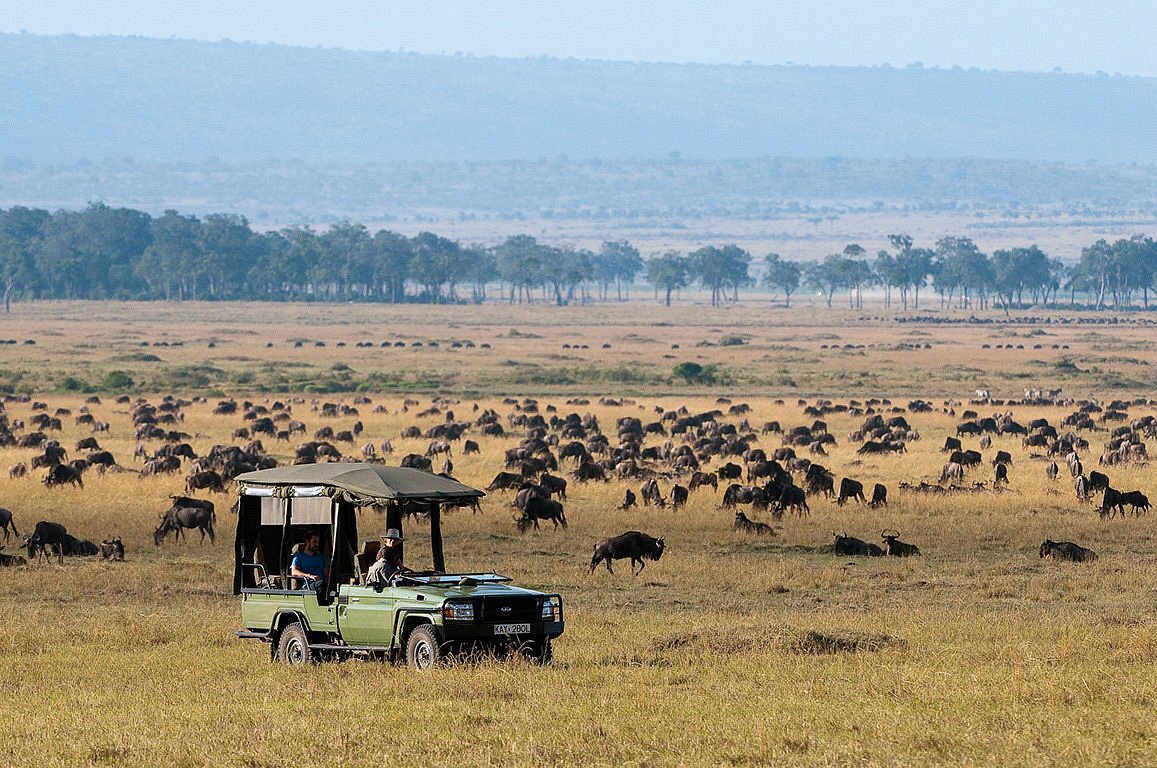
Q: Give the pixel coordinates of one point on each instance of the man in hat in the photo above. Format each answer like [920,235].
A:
[389,560]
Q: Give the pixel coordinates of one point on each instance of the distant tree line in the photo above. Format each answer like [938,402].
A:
[103,253]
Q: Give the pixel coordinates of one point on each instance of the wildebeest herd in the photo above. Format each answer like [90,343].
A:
[685,451]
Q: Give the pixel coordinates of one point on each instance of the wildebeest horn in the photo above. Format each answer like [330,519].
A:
[889,533]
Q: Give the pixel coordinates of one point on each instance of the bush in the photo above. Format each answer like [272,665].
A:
[694,373]
[116,381]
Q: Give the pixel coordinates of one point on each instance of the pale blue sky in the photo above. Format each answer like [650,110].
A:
[1113,36]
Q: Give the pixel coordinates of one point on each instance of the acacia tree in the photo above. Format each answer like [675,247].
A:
[781,274]
[826,276]
[668,273]
[520,262]
[618,262]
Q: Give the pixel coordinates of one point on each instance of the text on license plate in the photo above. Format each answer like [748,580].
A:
[511,629]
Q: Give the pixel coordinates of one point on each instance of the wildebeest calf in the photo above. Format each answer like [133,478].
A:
[1066,550]
[632,544]
[113,550]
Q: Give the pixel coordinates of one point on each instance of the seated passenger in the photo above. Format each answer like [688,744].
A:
[389,561]
[308,563]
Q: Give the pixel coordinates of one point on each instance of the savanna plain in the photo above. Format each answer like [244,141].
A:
[733,649]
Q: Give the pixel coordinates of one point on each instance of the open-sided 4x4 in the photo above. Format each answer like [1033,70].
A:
[423,617]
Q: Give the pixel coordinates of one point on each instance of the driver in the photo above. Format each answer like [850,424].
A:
[309,563]
[389,560]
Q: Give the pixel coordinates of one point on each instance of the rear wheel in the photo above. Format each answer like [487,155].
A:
[424,649]
[294,646]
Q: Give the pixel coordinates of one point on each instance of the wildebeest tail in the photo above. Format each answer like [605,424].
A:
[562,517]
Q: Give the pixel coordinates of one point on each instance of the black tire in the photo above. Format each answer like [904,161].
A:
[538,651]
[293,648]
[423,648]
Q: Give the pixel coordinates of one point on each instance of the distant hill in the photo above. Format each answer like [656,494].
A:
[67,99]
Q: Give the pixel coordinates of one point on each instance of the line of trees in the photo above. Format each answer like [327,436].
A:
[103,252]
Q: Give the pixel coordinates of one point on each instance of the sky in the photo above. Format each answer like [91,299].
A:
[1077,36]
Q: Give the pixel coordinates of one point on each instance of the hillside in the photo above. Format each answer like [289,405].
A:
[69,99]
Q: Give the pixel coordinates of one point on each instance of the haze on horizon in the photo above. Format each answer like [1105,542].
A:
[1075,36]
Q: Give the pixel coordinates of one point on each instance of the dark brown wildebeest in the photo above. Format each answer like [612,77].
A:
[7,522]
[1135,499]
[415,461]
[554,484]
[1002,457]
[11,561]
[113,550]
[470,446]
[207,480]
[952,444]
[633,544]
[679,496]
[879,496]
[1112,501]
[650,493]
[18,470]
[730,471]
[742,523]
[851,489]
[589,470]
[1066,550]
[87,444]
[1098,481]
[792,497]
[628,500]
[843,544]
[538,508]
[61,474]
[703,478]
[45,538]
[1001,476]
[896,548]
[187,512]
[526,491]
[505,481]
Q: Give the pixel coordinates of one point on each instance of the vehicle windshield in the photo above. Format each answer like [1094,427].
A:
[433,578]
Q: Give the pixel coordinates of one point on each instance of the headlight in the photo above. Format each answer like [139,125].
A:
[552,608]
[458,611]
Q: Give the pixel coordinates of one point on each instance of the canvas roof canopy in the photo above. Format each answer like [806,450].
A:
[359,484]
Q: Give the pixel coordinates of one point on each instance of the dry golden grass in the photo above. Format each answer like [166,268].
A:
[732,649]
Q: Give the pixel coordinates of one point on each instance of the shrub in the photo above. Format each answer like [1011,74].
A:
[116,381]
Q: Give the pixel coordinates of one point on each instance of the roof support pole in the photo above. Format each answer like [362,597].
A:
[436,536]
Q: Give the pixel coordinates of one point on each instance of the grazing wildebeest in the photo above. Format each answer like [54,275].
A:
[953,472]
[1052,470]
[505,480]
[61,474]
[730,471]
[438,446]
[47,537]
[850,489]
[1002,457]
[87,444]
[742,523]
[526,491]
[650,493]
[1066,550]
[1135,499]
[113,550]
[470,446]
[952,444]
[1112,501]
[632,544]
[703,478]
[843,544]
[896,548]
[17,470]
[11,561]
[589,470]
[554,484]
[879,496]
[1081,487]
[187,513]
[1001,477]
[207,480]
[628,500]
[679,496]
[1098,481]
[416,461]
[7,522]
[538,508]
[792,497]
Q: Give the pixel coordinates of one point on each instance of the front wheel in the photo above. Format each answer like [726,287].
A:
[538,651]
[424,649]
[294,646]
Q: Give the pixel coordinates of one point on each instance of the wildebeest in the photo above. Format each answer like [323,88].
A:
[850,489]
[1098,481]
[650,494]
[470,446]
[61,474]
[953,472]
[1066,550]
[879,496]
[699,479]
[1113,500]
[589,470]
[632,544]
[416,461]
[187,512]
[896,548]
[207,480]
[554,484]
[628,500]
[7,522]
[792,497]
[1002,457]
[952,444]
[843,544]
[730,471]
[47,537]
[11,561]
[505,480]
[538,508]
[742,523]
[1052,470]
[679,496]
[112,550]
[17,470]
[1001,475]
[1135,499]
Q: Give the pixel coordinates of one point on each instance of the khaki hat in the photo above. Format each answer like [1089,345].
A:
[394,533]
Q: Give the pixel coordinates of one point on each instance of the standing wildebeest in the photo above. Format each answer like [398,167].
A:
[470,446]
[730,471]
[554,484]
[1135,499]
[1066,550]
[187,513]
[1001,471]
[1052,470]
[628,500]
[843,544]
[1112,500]
[851,489]
[632,544]
[879,496]
[703,478]
[650,493]
[61,474]
[1098,481]
[207,480]
[538,508]
[1002,457]
[742,523]
[415,461]
[953,472]
[952,444]
[896,548]
[679,496]
[47,537]
[505,480]
[113,551]
[6,521]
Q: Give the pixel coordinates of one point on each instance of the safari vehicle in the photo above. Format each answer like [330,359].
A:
[423,617]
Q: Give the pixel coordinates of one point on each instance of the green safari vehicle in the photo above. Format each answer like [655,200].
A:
[422,617]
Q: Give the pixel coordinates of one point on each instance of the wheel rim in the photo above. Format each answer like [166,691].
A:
[423,654]
[294,652]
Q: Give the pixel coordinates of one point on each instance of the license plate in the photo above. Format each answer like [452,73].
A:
[511,629]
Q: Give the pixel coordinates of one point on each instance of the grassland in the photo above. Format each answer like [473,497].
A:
[732,649]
